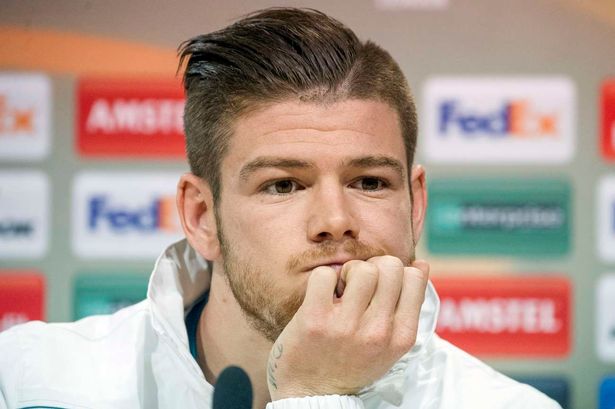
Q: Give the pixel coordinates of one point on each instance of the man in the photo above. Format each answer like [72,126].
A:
[304,198]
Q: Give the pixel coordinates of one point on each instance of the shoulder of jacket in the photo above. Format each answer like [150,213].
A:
[481,385]
[22,340]
[32,353]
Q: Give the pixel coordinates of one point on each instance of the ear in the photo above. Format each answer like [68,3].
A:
[195,205]
[418,184]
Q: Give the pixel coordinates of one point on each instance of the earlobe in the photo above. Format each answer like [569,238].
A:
[196,213]
[418,184]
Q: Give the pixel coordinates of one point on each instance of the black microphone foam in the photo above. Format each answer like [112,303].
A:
[233,389]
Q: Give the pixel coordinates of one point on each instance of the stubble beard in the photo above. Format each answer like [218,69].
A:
[265,307]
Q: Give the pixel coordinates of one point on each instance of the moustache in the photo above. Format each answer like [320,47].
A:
[356,249]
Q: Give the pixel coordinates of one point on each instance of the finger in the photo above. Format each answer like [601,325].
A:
[388,290]
[361,279]
[410,300]
[320,288]
[422,265]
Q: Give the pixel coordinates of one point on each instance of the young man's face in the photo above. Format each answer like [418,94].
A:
[309,184]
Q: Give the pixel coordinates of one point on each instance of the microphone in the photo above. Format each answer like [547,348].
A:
[233,389]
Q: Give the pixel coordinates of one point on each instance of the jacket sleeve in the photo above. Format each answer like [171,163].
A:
[529,397]
[318,402]
[3,403]
[10,355]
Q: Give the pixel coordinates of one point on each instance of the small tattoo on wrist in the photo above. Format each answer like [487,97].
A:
[272,365]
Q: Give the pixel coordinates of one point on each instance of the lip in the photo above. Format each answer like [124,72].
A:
[335,263]
[336,266]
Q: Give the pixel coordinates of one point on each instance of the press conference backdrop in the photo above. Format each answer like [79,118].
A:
[517,132]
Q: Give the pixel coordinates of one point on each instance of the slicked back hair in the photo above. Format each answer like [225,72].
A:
[275,55]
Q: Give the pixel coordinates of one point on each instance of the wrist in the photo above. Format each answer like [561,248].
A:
[301,391]
[318,402]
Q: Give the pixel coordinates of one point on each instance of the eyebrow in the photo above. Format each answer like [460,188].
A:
[364,162]
[378,162]
[272,162]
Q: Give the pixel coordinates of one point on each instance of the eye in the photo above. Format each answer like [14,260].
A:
[282,187]
[370,184]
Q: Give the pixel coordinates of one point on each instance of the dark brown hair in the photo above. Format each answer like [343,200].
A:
[274,55]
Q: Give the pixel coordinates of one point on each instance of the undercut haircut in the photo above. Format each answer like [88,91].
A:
[276,55]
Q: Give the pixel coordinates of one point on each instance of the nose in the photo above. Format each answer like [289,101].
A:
[331,215]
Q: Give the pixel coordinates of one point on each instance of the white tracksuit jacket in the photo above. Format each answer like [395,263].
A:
[139,358]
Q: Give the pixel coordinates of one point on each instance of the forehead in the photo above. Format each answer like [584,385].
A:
[323,129]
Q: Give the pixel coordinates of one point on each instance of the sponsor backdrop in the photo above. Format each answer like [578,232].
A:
[517,133]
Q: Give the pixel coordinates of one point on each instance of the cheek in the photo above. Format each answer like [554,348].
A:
[262,226]
[390,226]
[263,236]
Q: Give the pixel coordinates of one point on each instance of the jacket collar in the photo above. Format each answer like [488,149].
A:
[181,276]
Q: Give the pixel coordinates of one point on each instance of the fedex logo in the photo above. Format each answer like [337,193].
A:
[14,120]
[499,120]
[25,116]
[157,215]
[512,118]
[124,215]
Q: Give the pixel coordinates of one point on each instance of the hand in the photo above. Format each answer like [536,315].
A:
[340,345]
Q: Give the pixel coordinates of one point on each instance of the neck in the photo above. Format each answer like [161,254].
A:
[225,338]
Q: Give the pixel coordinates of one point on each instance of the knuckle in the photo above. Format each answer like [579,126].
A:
[422,265]
[390,261]
[416,274]
[322,272]
[404,340]
[365,270]
[342,332]
[368,268]
[353,263]
[349,267]
[379,335]
[315,328]
[386,261]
